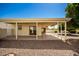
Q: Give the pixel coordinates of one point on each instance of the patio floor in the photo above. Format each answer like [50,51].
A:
[29,46]
[44,37]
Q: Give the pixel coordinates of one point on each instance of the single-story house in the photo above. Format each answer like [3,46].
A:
[29,26]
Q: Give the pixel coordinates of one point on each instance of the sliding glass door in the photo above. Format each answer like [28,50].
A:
[32,30]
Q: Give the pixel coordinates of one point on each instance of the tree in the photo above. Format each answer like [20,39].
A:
[72,11]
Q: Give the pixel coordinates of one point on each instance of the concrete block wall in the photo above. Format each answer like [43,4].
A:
[3,33]
[5,29]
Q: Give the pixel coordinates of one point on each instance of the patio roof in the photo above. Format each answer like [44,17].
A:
[13,20]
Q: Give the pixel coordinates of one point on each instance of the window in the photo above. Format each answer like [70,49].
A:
[19,27]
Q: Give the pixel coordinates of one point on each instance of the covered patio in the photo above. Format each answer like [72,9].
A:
[44,23]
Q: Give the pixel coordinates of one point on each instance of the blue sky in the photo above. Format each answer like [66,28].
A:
[32,10]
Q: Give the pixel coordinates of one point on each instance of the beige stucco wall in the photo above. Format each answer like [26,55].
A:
[9,32]
[5,29]
[25,30]
[39,31]
[3,33]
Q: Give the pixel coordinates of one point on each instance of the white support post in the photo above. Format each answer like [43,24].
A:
[16,31]
[65,30]
[61,31]
[58,29]
[6,29]
[36,30]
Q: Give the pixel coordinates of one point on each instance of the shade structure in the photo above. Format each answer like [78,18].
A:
[37,22]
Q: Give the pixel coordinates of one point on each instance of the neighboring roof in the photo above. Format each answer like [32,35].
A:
[35,20]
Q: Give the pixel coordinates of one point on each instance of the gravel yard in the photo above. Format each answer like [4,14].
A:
[52,47]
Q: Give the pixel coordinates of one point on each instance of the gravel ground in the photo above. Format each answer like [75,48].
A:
[36,52]
[35,47]
[50,46]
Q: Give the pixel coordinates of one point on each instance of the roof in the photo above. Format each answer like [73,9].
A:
[13,20]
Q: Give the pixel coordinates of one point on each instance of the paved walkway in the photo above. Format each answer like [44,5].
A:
[49,46]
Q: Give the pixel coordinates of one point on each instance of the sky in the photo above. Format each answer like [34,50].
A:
[32,10]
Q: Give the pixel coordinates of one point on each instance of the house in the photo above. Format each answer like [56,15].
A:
[29,26]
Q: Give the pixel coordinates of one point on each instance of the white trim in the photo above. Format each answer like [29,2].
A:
[31,21]
[58,29]
[65,30]
[36,30]
[61,30]
[16,31]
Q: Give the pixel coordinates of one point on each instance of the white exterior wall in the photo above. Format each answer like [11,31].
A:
[5,29]
[39,31]
[3,33]
[25,30]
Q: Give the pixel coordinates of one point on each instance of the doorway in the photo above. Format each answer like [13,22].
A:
[32,30]
[44,30]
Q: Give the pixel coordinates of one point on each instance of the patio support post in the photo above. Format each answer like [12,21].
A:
[16,31]
[65,30]
[61,31]
[58,29]
[6,29]
[36,30]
